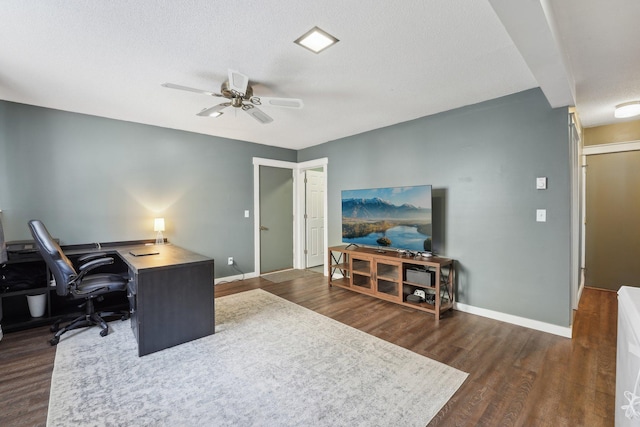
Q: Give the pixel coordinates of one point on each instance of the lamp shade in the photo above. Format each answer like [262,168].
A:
[158,224]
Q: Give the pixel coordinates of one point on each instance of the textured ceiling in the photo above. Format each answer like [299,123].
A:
[599,40]
[397,60]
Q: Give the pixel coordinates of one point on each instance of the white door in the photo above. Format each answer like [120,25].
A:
[314,217]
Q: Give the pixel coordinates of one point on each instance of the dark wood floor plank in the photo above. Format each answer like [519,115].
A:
[26,364]
[517,376]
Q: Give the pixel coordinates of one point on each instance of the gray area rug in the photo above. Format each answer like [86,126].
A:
[285,276]
[270,363]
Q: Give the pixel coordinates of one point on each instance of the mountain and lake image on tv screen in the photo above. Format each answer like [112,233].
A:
[393,217]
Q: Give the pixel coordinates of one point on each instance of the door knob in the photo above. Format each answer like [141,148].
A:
[263,228]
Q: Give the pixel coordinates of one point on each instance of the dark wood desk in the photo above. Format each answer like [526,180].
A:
[171,296]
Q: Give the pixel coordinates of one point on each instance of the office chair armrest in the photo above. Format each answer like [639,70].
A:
[88,257]
[90,265]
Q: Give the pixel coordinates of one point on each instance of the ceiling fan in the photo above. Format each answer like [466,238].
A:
[239,93]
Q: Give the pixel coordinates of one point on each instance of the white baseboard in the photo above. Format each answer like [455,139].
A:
[562,331]
[496,315]
[234,278]
[580,289]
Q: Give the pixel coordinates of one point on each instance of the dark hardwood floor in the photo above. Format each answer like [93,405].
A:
[517,376]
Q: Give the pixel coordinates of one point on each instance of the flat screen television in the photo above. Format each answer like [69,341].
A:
[394,217]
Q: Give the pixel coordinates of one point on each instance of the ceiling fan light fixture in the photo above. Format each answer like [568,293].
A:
[316,40]
[214,111]
[627,109]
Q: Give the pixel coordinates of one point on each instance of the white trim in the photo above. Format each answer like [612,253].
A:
[313,164]
[257,162]
[515,320]
[581,286]
[583,217]
[577,197]
[256,216]
[274,163]
[298,206]
[235,278]
[615,147]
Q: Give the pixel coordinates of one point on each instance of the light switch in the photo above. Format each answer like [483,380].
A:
[541,183]
[246,214]
[541,215]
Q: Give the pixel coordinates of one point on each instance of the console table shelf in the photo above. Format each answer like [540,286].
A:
[383,274]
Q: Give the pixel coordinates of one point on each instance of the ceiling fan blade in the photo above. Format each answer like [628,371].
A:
[277,102]
[238,82]
[190,89]
[214,111]
[259,115]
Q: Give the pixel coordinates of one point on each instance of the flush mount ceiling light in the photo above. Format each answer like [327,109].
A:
[316,40]
[627,109]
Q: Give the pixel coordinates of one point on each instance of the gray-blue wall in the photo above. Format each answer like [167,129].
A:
[482,161]
[95,179]
[91,179]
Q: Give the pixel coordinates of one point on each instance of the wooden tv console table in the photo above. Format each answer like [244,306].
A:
[383,274]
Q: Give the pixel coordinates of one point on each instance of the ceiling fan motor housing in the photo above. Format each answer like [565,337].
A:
[228,93]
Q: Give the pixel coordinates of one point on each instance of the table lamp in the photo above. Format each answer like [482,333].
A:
[158,226]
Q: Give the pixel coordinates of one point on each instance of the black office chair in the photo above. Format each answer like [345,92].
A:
[78,284]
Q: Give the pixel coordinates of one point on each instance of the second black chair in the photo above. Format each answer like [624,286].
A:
[78,284]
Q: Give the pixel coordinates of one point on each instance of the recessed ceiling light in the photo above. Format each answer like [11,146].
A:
[316,40]
[628,109]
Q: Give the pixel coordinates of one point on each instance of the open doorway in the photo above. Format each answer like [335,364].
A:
[300,225]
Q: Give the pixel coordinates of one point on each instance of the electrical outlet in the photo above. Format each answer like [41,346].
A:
[541,215]
[230,260]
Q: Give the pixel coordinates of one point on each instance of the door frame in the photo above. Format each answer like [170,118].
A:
[298,169]
[576,253]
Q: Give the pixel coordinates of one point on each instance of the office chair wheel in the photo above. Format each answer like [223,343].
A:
[55,328]
[54,341]
[104,332]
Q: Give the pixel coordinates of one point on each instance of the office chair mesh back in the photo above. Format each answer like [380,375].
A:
[60,266]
